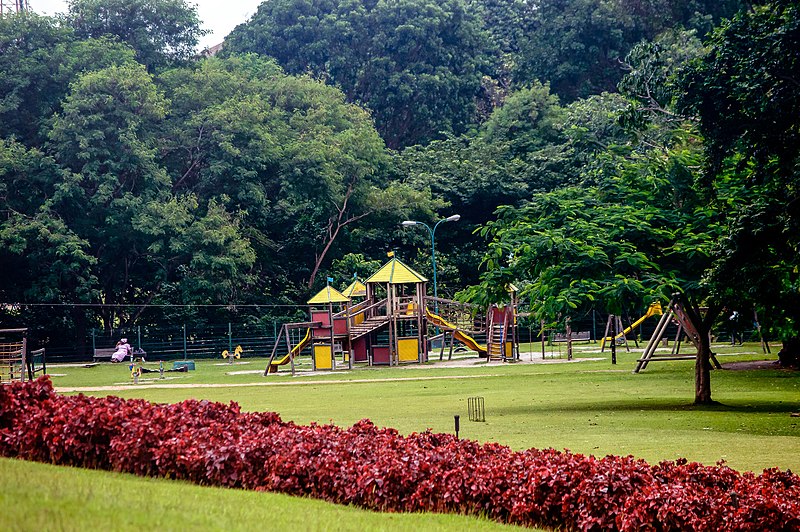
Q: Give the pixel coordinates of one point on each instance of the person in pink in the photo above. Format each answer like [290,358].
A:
[123,350]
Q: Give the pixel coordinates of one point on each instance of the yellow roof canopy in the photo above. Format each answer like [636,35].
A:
[328,295]
[356,289]
[395,272]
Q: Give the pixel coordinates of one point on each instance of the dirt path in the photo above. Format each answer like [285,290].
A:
[156,385]
[462,363]
[753,364]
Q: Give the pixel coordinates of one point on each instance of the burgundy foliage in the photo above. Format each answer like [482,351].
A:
[377,468]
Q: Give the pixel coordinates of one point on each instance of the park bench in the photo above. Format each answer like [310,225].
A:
[579,336]
[37,363]
[103,354]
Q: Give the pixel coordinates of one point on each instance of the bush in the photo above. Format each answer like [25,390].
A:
[377,468]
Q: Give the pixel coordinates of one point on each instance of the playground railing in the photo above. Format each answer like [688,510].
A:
[466,316]
[355,309]
[367,308]
[405,305]
[37,363]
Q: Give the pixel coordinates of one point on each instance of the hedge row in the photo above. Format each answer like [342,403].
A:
[377,468]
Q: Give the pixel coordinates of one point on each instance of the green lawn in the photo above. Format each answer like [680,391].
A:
[38,497]
[590,407]
[587,406]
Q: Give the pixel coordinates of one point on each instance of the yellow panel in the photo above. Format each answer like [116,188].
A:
[408,350]
[509,349]
[322,357]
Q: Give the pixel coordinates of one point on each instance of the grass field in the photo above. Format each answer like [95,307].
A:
[40,497]
[587,406]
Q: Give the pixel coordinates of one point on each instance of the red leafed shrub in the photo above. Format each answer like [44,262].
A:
[377,468]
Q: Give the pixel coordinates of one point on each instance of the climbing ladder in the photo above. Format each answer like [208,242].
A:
[367,326]
[497,335]
[13,350]
[495,342]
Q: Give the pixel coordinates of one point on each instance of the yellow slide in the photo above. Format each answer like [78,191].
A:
[294,352]
[458,334]
[654,310]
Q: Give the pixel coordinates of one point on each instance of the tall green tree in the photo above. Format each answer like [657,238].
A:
[635,237]
[520,150]
[416,64]
[39,59]
[637,227]
[306,167]
[745,92]
[117,198]
[160,31]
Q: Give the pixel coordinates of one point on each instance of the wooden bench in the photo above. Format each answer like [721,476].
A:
[580,336]
[36,362]
[103,354]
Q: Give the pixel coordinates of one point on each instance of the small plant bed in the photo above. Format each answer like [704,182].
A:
[376,468]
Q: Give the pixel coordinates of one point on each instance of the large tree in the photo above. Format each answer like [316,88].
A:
[305,166]
[746,92]
[636,228]
[160,31]
[416,64]
[117,198]
[521,149]
[579,45]
[39,59]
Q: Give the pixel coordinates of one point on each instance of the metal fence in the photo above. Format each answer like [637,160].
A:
[177,342]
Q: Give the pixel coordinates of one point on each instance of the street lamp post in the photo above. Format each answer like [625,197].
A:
[409,223]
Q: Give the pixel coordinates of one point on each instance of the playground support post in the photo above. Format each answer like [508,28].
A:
[569,339]
[764,343]
[613,321]
[543,344]
[409,223]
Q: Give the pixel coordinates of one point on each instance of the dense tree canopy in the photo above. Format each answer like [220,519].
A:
[219,181]
[610,152]
[38,61]
[578,45]
[746,92]
[160,31]
[416,64]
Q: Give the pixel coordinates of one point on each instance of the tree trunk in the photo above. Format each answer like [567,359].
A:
[789,355]
[697,325]
[335,224]
[702,371]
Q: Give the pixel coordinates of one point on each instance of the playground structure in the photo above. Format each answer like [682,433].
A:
[615,324]
[17,363]
[390,325]
[237,354]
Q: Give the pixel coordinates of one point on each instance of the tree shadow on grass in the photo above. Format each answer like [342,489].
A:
[645,405]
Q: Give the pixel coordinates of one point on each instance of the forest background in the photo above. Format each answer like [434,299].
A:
[601,155]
